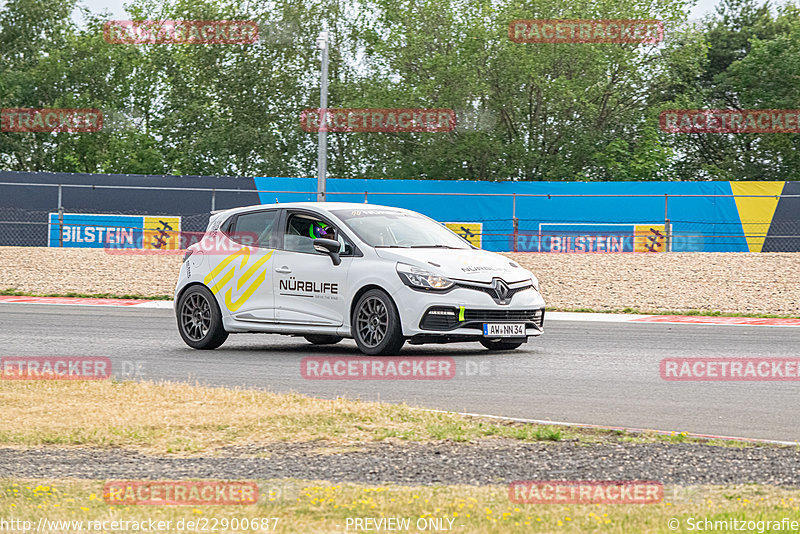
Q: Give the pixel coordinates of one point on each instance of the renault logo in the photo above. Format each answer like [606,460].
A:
[500,289]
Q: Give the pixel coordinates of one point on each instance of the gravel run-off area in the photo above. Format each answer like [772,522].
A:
[480,463]
[726,282]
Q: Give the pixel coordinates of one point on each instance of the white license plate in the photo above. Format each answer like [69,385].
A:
[503,329]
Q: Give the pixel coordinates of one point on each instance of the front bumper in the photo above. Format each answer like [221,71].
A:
[461,312]
[447,319]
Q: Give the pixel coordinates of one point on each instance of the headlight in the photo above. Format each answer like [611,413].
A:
[422,279]
[535,282]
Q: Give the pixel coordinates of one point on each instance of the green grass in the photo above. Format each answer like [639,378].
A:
[15,293]
[704,313]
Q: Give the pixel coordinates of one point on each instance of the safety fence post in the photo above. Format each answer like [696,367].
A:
[667,226]
[60,219]
[514,222]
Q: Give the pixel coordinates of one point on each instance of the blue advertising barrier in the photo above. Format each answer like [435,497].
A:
[702,222]
[570,217]
[93,230]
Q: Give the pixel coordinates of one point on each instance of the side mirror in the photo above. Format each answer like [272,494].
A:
[329,247]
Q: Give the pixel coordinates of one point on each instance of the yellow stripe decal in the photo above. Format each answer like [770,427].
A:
[233,306]
[244,252]
[253,268]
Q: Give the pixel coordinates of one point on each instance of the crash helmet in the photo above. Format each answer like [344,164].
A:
[318,229]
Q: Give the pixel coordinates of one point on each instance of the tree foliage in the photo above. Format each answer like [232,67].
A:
[547,111]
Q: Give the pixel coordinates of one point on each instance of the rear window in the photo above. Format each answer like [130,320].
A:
[254,228]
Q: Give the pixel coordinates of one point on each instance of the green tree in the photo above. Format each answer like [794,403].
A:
[563,111]
[29,30]
[750,64]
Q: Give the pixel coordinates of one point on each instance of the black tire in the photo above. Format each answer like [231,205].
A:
[376,324]
[199,319]
[323,339]
[502,344]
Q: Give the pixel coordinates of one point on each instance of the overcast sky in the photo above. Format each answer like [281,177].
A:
[116,7]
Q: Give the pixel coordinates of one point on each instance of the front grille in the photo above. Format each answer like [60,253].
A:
[488,316]
[442,318]
[492,291]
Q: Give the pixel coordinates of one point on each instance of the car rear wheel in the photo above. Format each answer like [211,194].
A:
[376,324]
[322,339]
[200,320]
[502,344]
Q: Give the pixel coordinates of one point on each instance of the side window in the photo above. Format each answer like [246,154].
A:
[255,228]
[347,248]
[301,230]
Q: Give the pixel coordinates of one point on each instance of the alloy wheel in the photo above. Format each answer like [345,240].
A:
[372,321]
[196,317]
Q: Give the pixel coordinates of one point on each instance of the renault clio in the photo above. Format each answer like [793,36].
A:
[327,271]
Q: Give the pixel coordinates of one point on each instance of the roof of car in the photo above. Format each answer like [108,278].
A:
[320,206]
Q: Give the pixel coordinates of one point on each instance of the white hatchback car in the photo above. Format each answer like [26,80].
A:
[328,270]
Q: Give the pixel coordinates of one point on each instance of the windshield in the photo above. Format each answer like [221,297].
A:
[397,229]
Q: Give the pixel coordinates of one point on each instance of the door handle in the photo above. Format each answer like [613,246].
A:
[283,270]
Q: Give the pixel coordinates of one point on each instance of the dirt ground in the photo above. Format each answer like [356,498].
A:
[726,282]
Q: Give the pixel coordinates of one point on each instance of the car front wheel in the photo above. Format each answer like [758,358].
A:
[376,324]
[200,320]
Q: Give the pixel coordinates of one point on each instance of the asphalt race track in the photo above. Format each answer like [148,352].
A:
[578,372]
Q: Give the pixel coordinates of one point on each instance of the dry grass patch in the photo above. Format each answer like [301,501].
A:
[304,506]
[184,418]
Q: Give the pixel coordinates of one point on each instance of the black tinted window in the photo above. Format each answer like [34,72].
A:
[254,228]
